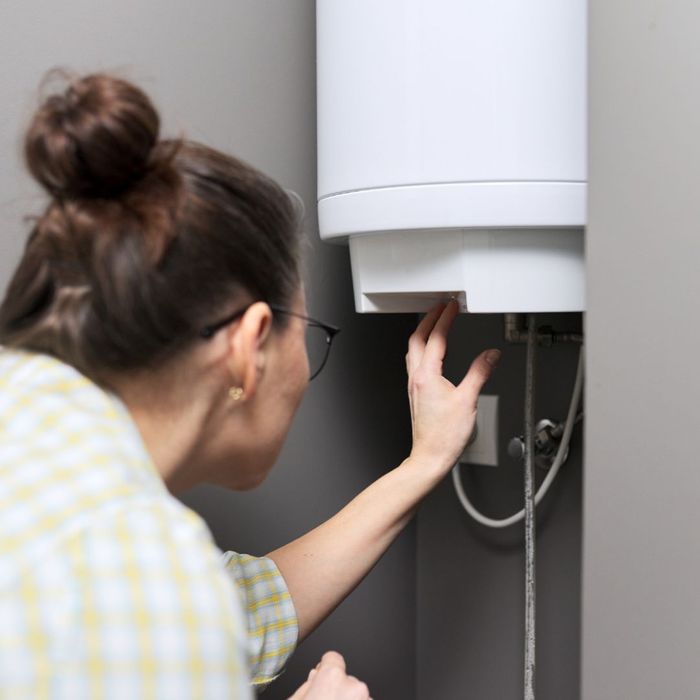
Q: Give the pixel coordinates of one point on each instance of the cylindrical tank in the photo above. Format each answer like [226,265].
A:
[443,127]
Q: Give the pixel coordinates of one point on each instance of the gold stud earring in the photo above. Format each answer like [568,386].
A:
[235,393]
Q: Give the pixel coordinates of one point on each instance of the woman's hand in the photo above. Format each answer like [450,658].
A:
[329,681]
[324,565]
[443,415]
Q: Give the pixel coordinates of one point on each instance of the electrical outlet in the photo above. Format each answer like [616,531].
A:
[484,448]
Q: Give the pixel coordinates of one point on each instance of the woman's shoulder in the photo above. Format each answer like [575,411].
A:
[37,387]
[72,460]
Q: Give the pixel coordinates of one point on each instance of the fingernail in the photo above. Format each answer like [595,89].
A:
[493,357]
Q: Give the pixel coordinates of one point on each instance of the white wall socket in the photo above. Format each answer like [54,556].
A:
[484,449]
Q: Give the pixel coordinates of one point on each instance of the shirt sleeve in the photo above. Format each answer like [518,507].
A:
[272,621]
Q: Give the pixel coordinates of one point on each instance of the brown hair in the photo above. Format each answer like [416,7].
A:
[144,241]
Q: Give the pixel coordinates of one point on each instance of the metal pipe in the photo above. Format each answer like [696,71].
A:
[515,332]
[529,684]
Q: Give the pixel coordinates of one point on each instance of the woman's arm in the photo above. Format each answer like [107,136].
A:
[323,566]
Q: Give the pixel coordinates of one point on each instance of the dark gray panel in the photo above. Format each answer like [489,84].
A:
[471,579]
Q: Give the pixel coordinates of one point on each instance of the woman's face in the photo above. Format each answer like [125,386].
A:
[263,421]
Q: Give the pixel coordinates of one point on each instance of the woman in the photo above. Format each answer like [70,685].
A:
[153,339]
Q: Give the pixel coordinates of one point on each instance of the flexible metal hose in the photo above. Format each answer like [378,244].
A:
[530,509]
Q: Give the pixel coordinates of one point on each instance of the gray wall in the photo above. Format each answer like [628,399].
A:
[641,554]
[470,578]
[240,76]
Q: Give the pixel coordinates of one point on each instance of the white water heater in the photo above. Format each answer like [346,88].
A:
[452,150]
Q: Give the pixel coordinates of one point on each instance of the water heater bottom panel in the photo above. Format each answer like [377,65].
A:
[488,271]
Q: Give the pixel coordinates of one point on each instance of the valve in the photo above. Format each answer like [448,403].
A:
[547,440]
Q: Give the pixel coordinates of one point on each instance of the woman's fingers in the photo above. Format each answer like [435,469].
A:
[357,689]
[329,681]
[332,658]
[436,347]
[428,321]
[479,374]
[301,692]
[419,338]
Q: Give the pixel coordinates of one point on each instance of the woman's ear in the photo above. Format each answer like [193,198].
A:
[248,347]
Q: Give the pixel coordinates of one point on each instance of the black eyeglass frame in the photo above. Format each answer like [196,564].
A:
[331,331]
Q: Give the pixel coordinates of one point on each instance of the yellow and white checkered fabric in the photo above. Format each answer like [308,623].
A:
[109,586]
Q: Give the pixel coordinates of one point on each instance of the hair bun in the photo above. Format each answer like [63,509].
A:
[93,140]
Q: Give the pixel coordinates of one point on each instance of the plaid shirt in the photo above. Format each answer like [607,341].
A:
[109,586]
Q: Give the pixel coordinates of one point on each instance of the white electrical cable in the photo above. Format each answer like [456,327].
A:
[530,534]
[551,475]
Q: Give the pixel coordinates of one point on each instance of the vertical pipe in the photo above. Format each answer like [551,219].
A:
[529,693]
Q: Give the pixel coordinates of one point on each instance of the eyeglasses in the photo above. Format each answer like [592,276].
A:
[319,336]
